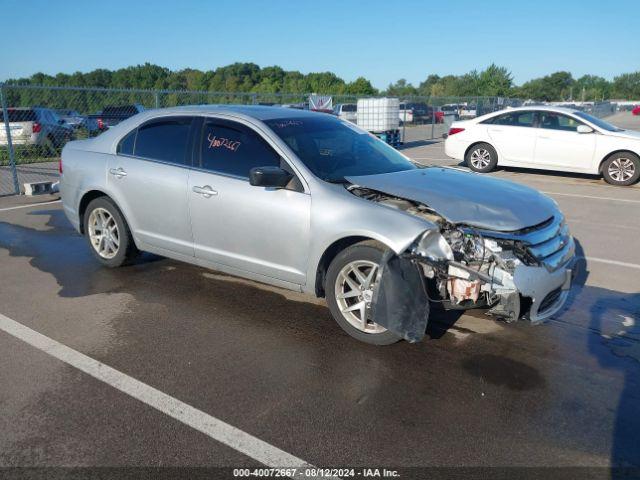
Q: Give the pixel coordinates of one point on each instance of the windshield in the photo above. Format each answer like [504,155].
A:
[333,149]
[598,122]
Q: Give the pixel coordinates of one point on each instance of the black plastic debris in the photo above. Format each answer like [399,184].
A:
[400,302]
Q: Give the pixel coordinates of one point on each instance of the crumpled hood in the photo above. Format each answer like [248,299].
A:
[467,198]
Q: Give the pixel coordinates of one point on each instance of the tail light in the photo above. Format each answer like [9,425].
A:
[100,124]
[60,166]
[453,131]
[36,127]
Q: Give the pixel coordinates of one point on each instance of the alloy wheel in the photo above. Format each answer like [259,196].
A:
[621,169]
[354,292]
[103,233]
[480,158]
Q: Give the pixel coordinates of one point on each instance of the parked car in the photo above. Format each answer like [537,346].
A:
[113,115]
[636,110]
[36,127]
[77,120]
[548,138]
[312,203]
[346,111]
[419,113]
[467,111]
[413,113]
[451,109]
[297,106]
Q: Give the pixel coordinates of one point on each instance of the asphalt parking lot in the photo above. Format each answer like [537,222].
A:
[207,348]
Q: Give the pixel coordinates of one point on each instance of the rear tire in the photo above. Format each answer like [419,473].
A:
[621,169]
[108,234]
[359,263]
[481,158]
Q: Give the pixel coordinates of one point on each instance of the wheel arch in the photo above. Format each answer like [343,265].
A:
[87,198]
[478,143]
[610,154]
[331,252]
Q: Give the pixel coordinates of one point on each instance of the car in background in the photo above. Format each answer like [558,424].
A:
[312,203]
[415,112]
[547,138]
[467,111]
[36,127]
[452,110]
[419,113]
[346,111]
[636,110]
[113,115]
[77,120]
[297,106]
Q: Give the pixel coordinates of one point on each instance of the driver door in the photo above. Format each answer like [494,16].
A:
[260,230]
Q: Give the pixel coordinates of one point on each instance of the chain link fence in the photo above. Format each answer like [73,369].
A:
[37,121]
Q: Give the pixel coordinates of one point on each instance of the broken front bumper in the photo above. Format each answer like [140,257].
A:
[547,289]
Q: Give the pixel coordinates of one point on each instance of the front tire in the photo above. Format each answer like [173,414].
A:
[350,281]
[481,158]
[621,169]
[108,234]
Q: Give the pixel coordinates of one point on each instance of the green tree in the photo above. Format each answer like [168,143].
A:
[494,81]
[557,86]
[360,86]
[627,86]
[401,89]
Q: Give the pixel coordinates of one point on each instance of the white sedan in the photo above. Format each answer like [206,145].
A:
[548,138]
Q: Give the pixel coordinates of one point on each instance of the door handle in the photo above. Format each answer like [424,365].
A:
[495,130]
[206,191]
[543,137]
[118,172]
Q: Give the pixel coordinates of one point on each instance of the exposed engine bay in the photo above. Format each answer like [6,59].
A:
[462,267]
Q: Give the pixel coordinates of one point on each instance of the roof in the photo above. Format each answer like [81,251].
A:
[550,108]
[106,141]
[259,112]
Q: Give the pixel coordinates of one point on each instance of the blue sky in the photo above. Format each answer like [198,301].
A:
[381,40]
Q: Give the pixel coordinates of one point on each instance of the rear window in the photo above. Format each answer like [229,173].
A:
[349,108]
[165,140]
[20,116]
[513,119]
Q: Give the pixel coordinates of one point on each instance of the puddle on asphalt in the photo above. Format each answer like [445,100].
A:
[503,371]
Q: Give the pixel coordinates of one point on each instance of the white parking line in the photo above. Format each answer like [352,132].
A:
[611,199]
[28,206]
[612,262]
[217,429]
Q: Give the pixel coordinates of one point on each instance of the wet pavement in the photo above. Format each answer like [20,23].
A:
[475,392]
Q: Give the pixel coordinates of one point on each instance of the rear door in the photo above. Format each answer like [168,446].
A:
[560,145]
[251,229]
[514,136]
[148,178]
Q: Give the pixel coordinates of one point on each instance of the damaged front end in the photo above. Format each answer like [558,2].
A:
[519,274]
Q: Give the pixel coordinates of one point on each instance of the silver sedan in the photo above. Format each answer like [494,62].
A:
[310,202]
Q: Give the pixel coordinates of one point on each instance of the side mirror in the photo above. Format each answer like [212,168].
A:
[584,129]
[269,177]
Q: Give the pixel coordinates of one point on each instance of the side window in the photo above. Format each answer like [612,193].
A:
[233,149]
[514,119]
[125,147]
[164,139]
[558,121]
